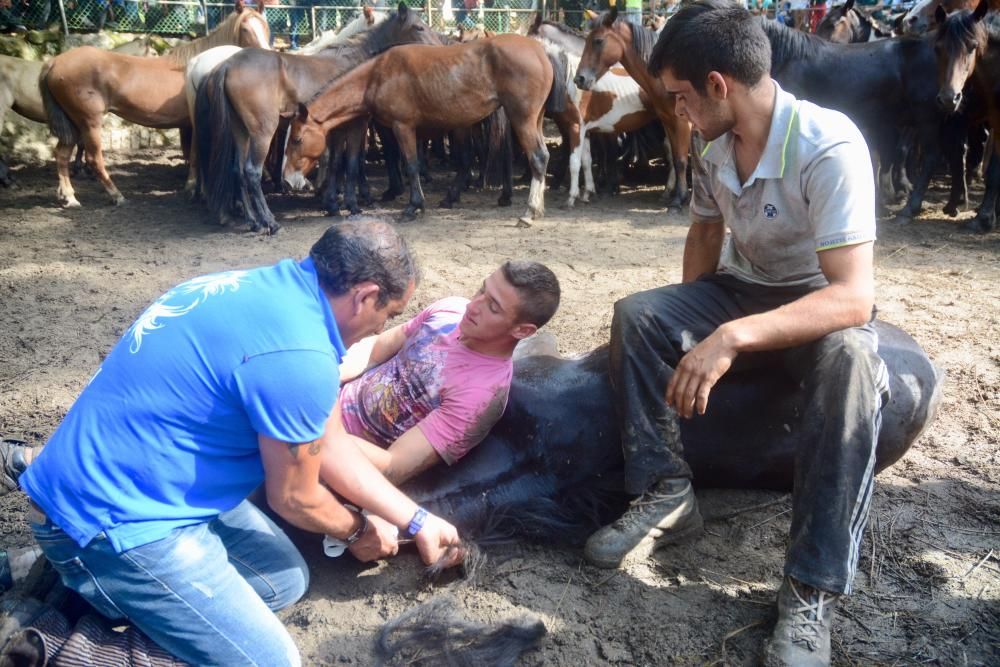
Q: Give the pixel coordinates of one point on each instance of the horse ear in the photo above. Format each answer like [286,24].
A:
[302,114]
[611,17]
[848,6]
[536,24]
[260,6]
[981,9]
[238,6]
[940,15]
[590,14]
[368,12]
[402,10]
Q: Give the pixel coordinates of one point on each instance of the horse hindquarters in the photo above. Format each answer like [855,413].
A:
[67,136]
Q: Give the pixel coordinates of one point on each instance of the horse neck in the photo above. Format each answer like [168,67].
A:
[226,33]
[344,99]
[637,69]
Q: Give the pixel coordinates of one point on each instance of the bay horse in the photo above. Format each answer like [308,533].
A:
[443,87]
[883,86]
[19,92]
[968,51]
[614,40]
[81,85]
[848,23]
[243,102]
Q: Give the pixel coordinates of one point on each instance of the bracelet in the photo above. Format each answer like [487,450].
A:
[356,535]
[417,522]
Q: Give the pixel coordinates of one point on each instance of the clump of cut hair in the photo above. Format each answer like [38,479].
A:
[537,288]
[712,36]
[350,253]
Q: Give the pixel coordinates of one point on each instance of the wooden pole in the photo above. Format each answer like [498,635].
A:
[62,12]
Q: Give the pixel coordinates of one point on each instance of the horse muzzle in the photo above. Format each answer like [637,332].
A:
[297,182]
[949,101]
[583,80]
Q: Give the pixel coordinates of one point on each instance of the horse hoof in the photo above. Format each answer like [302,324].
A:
[272,229]
[446,204]
[903,218]
[71,202]
[117,200]
[503,201]
[523,222]
[389,196]
[367,201]
[950,210]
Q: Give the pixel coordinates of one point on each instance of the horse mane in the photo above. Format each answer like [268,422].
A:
[227,32]
[643,40]
[961,34]
[565,29]
[788,44]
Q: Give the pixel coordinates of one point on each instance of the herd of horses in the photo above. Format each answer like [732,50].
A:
[246,112]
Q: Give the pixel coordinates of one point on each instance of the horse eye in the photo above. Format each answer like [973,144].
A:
[420,28]
[296,141]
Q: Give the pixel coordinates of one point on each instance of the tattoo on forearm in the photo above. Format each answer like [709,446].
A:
[315,447]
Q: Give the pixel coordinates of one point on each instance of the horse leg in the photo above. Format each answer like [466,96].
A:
[392,164]
[931,154]
[364,190]
[529,136]
[588,172]
[333,161]
[955,130]
[354,153]
[78,164]
[407,139]
[91,136]
[986,217]
[507,188]
[65,193]
[253,172]
[6,180]
[679,136]
[461,140]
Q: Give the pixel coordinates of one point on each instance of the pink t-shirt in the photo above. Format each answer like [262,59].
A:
[451,393]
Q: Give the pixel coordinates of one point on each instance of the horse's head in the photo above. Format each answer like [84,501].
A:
[304,146]
[840,24]
[251,27]
[404,27]
[607,44]
[961,39]
[919,19]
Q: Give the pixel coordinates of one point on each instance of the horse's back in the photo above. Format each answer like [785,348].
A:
[19,87]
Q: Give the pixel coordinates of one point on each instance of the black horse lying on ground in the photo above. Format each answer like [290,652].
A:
[554,459]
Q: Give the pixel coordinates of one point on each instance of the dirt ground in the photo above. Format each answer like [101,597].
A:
[929,584]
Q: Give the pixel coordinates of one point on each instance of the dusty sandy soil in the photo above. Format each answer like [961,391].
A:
[929,582]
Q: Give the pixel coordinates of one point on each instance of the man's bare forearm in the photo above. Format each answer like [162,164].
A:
[702,249]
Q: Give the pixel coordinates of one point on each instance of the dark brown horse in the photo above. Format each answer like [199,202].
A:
[447,87]
[82,84]
[613,40]
[848,23]
[968,50]
[241,104]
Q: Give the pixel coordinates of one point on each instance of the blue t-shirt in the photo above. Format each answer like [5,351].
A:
[165,433]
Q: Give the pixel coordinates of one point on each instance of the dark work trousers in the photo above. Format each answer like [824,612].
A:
[842,375]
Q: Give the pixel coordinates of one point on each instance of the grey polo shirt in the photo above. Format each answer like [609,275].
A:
[812,190]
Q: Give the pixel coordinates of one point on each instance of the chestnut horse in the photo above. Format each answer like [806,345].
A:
[82,84]
[443,87]
[241,104]
[968,51]
[613,41]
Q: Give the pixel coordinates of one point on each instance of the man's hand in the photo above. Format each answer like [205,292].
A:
[697,373]
[434,540]
[377,542]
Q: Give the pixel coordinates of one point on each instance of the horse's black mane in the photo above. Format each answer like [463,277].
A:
[788,44]
[643,40]
[960,33]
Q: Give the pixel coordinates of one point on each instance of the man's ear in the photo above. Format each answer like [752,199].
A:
[524,330]
[716,85]
[361,293]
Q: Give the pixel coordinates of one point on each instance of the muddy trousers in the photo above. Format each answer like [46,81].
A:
[845,381]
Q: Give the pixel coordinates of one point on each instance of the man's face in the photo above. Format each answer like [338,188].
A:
[371,318]
[708,114]
[493,311]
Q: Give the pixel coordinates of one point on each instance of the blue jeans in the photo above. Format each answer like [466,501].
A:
[206,593]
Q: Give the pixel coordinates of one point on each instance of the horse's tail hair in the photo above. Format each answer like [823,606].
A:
[218,164]
[499,150]
[434,633]
[556,101]
[60,125]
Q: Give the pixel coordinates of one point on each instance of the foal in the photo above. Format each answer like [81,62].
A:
[442,87]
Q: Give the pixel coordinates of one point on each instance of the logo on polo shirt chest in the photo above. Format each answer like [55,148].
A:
[770,211]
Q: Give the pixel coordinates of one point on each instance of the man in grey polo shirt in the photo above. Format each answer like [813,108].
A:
[791,290]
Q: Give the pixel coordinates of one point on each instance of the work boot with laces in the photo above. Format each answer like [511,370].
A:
[12,464]
[801,637]
[667,513]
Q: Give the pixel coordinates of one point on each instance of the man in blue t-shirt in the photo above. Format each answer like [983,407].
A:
[226,382]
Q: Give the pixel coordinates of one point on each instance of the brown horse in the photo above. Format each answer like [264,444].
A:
[613,41]
[968,51]
[82,84]
[848,23]
[241,104]
[446,87]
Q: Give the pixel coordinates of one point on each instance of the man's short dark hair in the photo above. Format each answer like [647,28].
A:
[713,36]
[350,253]
[537,288]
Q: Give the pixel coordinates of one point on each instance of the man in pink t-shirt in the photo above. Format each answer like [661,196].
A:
[431,389]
